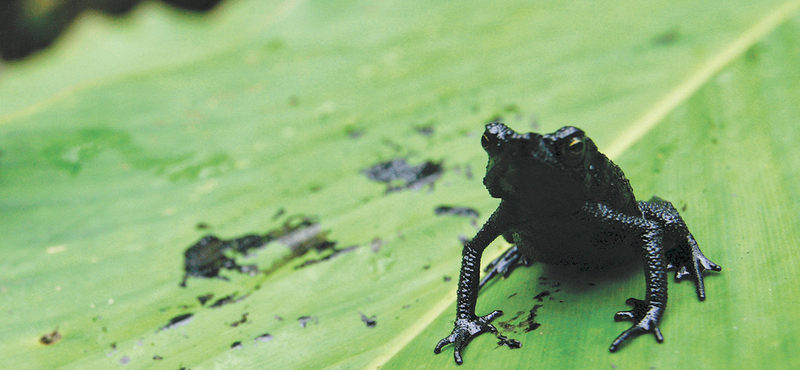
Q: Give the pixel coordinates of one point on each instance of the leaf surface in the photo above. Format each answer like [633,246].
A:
[133,138]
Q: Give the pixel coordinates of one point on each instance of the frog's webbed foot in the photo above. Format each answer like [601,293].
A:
[646,318]
[505,264]
[465,330]
[690,261]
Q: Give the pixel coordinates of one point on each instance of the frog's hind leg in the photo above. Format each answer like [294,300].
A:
[686,256]
[505,264]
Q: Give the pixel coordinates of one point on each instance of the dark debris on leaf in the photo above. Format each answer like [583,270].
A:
[206,258]
[540,297]
[456,211]
[530,324]
[266,337]
[178,321]
[305,320]
[508,342]
[50,338]
[369,321]
[299,233]
[240,321]
[205,298]
[397,174]
[231,298]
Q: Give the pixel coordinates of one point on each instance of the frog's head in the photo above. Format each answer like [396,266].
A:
[532,167]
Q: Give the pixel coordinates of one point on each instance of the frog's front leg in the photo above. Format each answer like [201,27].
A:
[646,314]
[467,324]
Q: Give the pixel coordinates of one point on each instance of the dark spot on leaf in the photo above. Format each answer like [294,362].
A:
[266,337]
[353,132]
[231,298]
[753,53]
[157,358]
[50,338]
[508,342]
[205,298]
[399,175]
[236,345]
[666,38]
[456,211]
[240,321]
[375,245]
[305,320]
[530,323]
[511,108]
[280,212]
[425,130]
[205,258]
[178,321]
[447,278]
[370,321]
[202,226]
[539,297]
[124,360]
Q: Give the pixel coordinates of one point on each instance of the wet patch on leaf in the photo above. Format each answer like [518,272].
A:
[206,258]
[397,174]
[300,234]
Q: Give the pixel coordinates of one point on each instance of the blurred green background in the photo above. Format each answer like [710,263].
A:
[134,135]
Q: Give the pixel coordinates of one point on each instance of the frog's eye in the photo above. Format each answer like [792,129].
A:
[488,142]
[573,151]
[576,146]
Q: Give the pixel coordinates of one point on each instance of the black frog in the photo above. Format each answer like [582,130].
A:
[565,203]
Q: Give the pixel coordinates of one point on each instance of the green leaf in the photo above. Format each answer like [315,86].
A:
[123,142]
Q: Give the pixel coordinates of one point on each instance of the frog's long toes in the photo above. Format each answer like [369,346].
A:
[624,316]
[659,337]
[681,274]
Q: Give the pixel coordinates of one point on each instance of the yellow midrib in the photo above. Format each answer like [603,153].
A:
[635,131]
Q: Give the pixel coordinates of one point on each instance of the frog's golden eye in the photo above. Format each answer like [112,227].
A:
[576,146]
[486,142]
[572,152]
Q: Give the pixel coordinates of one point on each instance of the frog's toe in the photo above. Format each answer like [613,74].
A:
[505,264]
[635,331]
[646,319]
[464,331]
